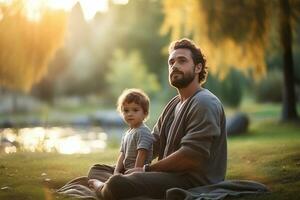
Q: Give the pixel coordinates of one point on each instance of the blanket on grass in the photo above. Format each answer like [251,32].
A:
[78,188]
[219,191]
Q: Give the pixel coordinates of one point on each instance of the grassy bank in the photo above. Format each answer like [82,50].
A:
[269,154]
[33,175]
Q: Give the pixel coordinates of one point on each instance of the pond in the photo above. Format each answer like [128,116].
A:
[64,140]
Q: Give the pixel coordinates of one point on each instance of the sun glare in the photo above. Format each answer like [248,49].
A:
[61,4]
[54,139]
[89,7]
[33,9]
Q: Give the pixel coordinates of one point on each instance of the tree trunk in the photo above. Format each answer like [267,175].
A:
[289,111]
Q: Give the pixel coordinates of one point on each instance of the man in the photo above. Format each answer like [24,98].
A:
[190,135]
[190,139]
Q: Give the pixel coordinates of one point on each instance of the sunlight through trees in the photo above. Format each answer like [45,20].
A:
[27,45]
[239,34]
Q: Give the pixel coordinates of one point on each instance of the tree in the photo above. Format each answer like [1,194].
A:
[236,33]
[139,23]
[289,100]
[27,44]
[46,88]
[90,45]
[129,71]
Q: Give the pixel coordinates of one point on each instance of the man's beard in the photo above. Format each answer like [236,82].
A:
[182,82]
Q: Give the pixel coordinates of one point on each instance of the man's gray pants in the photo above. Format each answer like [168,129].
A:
[149,184]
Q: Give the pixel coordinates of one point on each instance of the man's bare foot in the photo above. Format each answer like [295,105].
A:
[95,184]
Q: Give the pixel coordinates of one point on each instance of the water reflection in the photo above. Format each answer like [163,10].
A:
[65,140]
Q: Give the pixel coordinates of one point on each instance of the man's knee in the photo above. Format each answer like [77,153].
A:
[115,181]
[113,187]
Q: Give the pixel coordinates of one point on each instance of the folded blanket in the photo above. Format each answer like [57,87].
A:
[234,188]
[217,191]
[78,188]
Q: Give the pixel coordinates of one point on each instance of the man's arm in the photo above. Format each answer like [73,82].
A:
[179,161]
[156,142]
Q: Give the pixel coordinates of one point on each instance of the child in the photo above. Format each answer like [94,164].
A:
[136,145]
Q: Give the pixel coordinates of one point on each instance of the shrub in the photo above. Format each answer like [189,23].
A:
[229,90]
[269,89]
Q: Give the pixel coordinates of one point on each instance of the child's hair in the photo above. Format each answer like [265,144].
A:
[134,95]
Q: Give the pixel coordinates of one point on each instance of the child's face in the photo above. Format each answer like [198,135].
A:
[133,114]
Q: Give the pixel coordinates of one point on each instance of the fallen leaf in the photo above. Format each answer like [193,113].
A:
[6,188]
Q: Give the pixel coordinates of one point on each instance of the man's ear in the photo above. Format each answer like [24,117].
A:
[198,68]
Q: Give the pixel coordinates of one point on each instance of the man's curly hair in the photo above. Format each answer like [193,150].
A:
[197,55]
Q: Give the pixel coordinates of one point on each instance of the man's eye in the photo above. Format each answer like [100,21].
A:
[181,60]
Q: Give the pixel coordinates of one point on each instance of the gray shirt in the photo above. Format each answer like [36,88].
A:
[133,140]
[199,127]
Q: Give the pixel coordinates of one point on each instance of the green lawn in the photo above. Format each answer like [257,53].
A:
[26,174]
[269,153]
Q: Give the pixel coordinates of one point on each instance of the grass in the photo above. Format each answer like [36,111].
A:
[269,154]
[26,174]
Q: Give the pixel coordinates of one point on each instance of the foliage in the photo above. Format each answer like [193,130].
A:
[269,89]
[238,34]
[229,89]
[232,34]
[211,24]
[78,58]
[27,45]
[90,46]
[232,91]
[140,21]
[46,89]
[129,71]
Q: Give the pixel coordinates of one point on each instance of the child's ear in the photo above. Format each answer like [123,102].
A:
[146,114]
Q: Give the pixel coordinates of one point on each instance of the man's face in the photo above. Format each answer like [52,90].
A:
[181,68]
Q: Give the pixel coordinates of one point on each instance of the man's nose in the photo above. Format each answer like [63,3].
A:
[174,66]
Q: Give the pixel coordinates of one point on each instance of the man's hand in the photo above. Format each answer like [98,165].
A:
[134,170]
[179,161]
